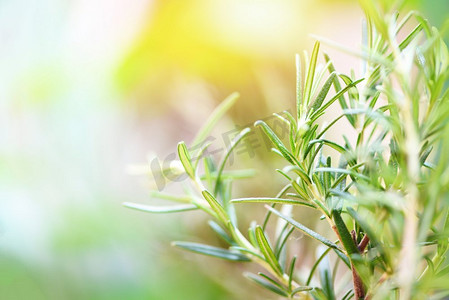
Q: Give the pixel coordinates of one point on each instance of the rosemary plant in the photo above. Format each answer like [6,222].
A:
[383,192]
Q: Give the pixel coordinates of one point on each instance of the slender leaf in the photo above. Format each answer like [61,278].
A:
[221,232]
[166,196]
[211,251]
[301,289]
[324,91]
[311,73]
[272,200]
[266,284]
[216,207]
[276,141]
[346,239]
[291,271]
[317,113]
[184,156]
[160,209]
[299,98]
[304,229]
[266,250]
[315,265]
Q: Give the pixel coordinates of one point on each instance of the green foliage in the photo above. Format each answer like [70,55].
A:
[384,193]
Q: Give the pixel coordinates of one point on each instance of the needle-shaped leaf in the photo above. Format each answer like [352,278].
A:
[311,73]
[160,209]
[345,236]
[282,240]
[323,93]
[365,226]
[337,85]
[298,86]
[184,156]
[304,229]
[276,141]
[315,265]
[252,233]
[298,171]
[221,232]
[266,284]
[166,196]
[272,200]
[408,39]
[301,289]
[215,117]
[266,250]
[216,206]
[321,110]
[291,271]
[326,278]
[331,144]
[211,251]
[251,253]
[342,171]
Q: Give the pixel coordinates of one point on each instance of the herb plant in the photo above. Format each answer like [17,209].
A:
[383,193]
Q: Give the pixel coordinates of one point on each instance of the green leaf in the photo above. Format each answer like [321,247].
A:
[337,88]
[266,284]
[272,200]
[214,117]
[326,278]
[408,39]
[321,110]
[160,209]
[266,250]
[221,232]
[282,240]
[301,173]
[295,185]
[349,294]
[342,171]
[274,282]
[318,294]
[175,198]
[276,141]
[331,144]
[346,239]
[252,233]
[315,265]
[311,73]
[324,91]
[184,156]
[301,289]
[291,271]
[216,206]
[246,250]
[298,86]
[211,251]
[304,229]
[209,169]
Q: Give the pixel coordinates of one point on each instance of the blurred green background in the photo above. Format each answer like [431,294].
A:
[90,90]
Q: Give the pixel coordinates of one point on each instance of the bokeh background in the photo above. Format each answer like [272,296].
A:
[91,90]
